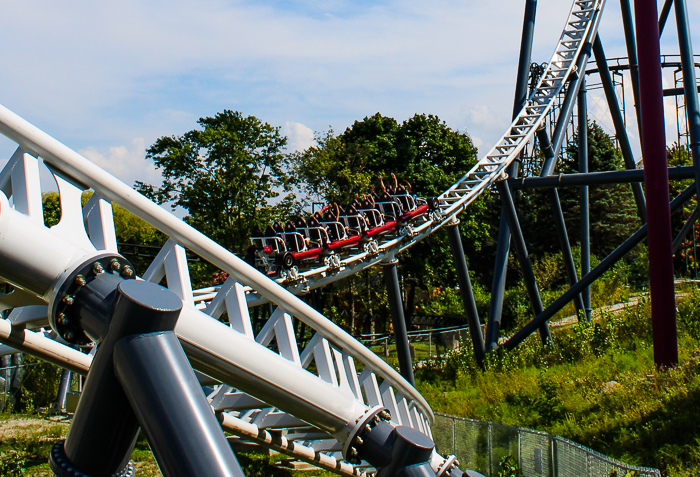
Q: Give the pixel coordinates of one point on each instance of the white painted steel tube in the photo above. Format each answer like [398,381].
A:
[31,257]
[34,258]
[224,354]
[70,162]
[42,347]
[280,443]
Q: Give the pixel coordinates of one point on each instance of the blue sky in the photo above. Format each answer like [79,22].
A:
[108,78]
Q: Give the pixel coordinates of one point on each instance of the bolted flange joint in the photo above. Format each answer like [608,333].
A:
[87,283]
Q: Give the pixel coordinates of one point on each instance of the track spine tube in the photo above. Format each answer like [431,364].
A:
[663,306]
[465,288]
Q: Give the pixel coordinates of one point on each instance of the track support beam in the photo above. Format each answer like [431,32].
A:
[596,178]
[631,42]
[583,195]
[558,215]
[523,258]
[619,123]
[607,263]
[142,383]
[684,231]
[403,348]
[498,285]
[663,306]
[465,289]
[692,107]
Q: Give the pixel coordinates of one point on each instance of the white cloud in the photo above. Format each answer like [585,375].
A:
[126,163]
[482,115]
[99,73]
[300,136]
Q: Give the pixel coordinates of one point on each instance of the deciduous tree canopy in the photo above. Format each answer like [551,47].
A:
[225,175]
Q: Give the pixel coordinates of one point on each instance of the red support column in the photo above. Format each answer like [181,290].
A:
[663,306]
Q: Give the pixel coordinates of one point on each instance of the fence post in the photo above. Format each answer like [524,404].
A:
[386,347]
[490,449]
[430,345]
[520,449]
[588,464]
[454,436]
[553,457]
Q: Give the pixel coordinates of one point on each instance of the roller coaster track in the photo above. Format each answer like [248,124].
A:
[266,384]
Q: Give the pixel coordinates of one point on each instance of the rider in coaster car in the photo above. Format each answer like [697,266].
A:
[372,193]
[316,219]
[367,205]
[250,253]
[389,189]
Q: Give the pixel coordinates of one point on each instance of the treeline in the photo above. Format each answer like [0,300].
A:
[232,174]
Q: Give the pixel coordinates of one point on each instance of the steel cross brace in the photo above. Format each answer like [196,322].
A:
[140,376]
[521,249]
[593,275]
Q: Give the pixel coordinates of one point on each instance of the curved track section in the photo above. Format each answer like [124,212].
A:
[579,31]
[317,394]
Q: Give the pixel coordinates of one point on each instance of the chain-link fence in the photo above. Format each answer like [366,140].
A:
[481,446]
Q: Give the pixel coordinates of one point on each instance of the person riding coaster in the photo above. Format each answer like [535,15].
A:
[328,232]
[281,248]
[398,202]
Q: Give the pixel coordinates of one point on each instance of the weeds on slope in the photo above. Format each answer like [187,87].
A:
[597,385]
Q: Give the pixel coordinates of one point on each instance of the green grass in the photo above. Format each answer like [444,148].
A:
[598,386]
[26,440]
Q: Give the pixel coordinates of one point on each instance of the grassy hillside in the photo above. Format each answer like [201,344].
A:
[597,386]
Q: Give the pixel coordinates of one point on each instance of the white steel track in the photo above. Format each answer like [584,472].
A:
[314,395]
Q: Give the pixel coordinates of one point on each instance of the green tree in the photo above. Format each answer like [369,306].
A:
[422,150]
[225,175]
